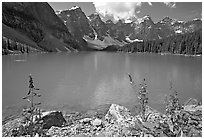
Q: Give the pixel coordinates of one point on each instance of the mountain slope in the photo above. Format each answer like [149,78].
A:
[37,21]
[17,36]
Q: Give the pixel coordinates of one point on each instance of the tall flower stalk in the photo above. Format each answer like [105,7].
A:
[32,114]
[143,99]
[142,96]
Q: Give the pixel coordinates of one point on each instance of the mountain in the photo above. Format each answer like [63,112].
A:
[143,29]
[187,27]
[147,30]
[36,27]
[188,43]
[98,25]
[36,24]
[90,32]
[77,23]
[166,36]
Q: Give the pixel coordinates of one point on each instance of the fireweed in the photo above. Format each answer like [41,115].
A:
[142,97]
[32,114]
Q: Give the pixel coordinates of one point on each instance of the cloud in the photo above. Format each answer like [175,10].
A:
[170,4]
[123,10]
[118,10]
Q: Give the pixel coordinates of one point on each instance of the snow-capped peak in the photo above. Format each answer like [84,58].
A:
[74,8]
[167,19]
[140,20]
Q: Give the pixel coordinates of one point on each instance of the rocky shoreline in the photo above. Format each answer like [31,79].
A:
[117,121]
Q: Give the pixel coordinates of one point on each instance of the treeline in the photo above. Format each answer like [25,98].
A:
[190,43]
[13,47]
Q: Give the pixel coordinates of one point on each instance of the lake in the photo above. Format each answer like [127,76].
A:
[86,80]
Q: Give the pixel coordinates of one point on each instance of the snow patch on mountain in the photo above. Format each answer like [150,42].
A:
[180,21]
[196,19]
[74,8]
[65,22]
[128,21]
[159,37]
[178,31]
[58,12]
[129,40]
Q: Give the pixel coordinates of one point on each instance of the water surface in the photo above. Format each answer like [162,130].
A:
[89,79]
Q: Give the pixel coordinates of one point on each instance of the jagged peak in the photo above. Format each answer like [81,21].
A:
[94,16]
[145,18]
[167,19]
[109,21]
[119,22]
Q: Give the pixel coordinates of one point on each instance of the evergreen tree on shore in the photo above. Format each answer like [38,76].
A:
[190,43]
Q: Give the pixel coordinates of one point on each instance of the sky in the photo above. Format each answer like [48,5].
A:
[183,11]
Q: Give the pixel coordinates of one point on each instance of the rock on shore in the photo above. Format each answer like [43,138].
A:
[117,122]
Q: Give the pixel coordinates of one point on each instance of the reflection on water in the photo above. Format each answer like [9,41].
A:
[120,88]
[89,79]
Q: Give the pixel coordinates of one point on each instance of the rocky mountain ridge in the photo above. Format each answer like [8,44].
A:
[143,29]
[39,26]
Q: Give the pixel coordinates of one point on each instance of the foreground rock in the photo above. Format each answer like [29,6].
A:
[118,122]
[49,119]
[53,118]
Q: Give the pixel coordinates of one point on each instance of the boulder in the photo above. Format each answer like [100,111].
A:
[85,120]
[97,122]
[119,113]
[52,118]
[193,108]
[119,118]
